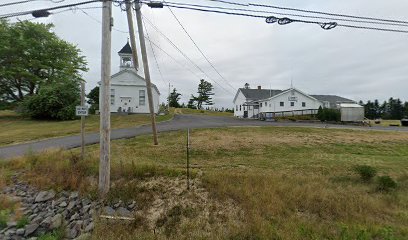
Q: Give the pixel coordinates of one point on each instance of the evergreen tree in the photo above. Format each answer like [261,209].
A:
[174,98]
[204,94]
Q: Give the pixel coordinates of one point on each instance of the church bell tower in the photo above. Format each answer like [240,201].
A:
[125,55]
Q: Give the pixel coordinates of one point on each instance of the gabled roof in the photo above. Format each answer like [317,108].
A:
[256,94]
[332,99]
[126,49]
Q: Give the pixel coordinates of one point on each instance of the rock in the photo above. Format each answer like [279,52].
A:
[44,196]
[56,221]
[109,211]
[84,236]
[71,205]
[89,227]
[132,205]
[118,204]
[20,231]
[71,233]
[63,204]
[46,222]
[74,217]
[123,212]
[11,224]
[29,229]
[73,196]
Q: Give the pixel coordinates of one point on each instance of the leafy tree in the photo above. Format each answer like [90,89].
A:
[204,94]
[54,101]
[174,98]
[328,114]
[93,99]
[32,57]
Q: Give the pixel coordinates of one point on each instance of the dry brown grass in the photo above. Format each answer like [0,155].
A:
[291,183]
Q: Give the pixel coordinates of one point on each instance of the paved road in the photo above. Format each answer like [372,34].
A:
[179,122]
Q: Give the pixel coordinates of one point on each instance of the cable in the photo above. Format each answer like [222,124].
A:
[327,13]
[154,54]
[198,48]
[46,9]
[322,24]
[182,53]
[98,21]
[287,14]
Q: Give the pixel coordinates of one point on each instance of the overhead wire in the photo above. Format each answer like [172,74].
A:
[199,49]
[46,9]
[154,54]
[287,14]
[322,24]
[182,53]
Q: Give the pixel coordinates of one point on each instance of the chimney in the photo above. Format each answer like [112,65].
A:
[259,87]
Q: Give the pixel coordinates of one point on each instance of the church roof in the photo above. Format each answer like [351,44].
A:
[126,49]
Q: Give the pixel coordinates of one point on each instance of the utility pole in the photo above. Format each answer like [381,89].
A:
[168,99]
[146,70]
[104,161]
[132,34]
[82,121]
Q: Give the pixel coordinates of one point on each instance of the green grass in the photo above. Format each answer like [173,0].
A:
[291,183]
[202,112]
[16,129]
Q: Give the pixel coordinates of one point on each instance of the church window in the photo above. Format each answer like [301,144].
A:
[112,96]
[142,97]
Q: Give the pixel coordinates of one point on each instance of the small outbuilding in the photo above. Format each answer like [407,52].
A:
[351,112]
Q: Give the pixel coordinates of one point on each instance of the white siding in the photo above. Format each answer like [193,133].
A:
[126,86]
[238,105]
[274,104]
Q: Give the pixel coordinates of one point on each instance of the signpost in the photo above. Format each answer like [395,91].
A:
[83,112]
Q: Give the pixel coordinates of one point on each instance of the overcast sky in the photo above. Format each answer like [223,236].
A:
[353,63]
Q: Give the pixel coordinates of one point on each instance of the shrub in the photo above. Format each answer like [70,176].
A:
[328,114]
[386,183]
[54,102]
[366,172]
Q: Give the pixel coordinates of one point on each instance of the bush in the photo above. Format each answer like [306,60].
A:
[386,183]
[328,114]
[366,172]
[53,102]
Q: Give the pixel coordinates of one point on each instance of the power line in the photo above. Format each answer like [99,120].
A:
[184,55]
[45,9]
[327,13]
[287,14]
[154,54]
[198,48]
[322,24]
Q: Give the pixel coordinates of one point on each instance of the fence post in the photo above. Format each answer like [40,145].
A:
[188,159]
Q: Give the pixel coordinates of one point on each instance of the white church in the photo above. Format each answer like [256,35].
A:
[128,89]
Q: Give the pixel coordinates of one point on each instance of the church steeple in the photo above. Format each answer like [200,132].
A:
[125,55]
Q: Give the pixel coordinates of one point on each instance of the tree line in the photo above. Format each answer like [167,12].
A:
[393,109]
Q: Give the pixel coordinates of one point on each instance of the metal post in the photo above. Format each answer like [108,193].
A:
[188,159]
[104,164]
[82,121]
[146,71]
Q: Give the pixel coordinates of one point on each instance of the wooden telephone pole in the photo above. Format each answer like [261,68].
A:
[82,121]
[104,161]
[132,34]
[146,70]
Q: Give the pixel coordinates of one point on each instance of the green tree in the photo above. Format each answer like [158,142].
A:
[55,101]
[32,56]
[191,103]
[174,99]
[204,94]
[93,99]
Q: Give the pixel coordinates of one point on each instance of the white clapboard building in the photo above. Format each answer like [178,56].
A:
[270,103]
[128,90]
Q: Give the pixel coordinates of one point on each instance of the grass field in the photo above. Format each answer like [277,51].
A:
[16,129]
[202,112]
[290,183]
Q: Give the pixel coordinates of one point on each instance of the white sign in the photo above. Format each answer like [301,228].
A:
[292,99]
[81,111]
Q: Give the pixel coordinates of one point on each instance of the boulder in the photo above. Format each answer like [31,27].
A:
[56,221]
[44,196]
[30,229]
